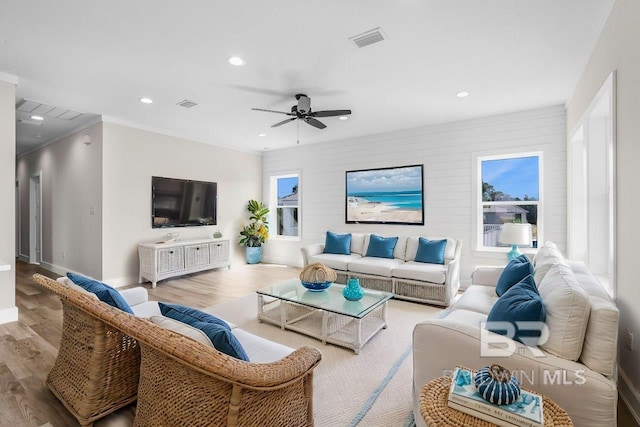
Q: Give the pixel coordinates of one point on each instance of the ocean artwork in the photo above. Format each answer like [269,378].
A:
[385,196]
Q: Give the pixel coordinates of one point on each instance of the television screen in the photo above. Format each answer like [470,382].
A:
[182,202]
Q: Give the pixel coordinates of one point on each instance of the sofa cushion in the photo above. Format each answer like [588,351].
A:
[337,243]
[516,270]
[433,273]
[182,329]
[67,282]
[337,262]
[431,251]
[413,243]
[357,243]
[261,350]
[216,329]
[521,303]
[375,266]
[567,308]
[467,317]
[381,247]
[477,298]
[600,345]
[104,292]
[546,256]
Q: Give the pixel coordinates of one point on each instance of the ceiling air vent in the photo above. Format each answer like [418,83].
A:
[368,37]
[187,103]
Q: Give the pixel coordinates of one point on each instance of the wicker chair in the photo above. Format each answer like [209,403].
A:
[97,369]
[183,382]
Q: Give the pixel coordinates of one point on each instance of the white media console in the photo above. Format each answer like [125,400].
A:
[163,260]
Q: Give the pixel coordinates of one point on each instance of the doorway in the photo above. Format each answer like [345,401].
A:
[35,218]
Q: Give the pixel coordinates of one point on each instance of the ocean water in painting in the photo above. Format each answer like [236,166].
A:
[394,199]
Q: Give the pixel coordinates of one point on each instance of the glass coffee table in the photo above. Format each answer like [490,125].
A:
[325,315]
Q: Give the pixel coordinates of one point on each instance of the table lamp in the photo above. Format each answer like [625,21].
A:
[515,234]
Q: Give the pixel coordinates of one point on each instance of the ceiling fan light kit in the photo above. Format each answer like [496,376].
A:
[302,110]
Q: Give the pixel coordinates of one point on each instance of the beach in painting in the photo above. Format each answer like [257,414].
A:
[385,207]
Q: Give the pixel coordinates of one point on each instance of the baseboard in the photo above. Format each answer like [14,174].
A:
[119,282]
[23,258]
[9,315]
[292,262]
[55,268]
[629,395]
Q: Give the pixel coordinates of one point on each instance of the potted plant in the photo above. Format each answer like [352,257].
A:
[256,232]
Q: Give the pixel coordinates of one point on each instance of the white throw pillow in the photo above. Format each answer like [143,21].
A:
[567,307]
[68,283]
[182,329]
[547,256]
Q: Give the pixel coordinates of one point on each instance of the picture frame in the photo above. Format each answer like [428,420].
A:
[392,195]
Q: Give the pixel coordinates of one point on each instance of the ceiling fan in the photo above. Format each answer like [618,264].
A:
[303,112]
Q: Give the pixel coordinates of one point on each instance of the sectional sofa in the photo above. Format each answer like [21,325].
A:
[401,273]
[575,366]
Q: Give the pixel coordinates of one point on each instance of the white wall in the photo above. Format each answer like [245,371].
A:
[447,152]
[619,49]
[8,310]
[71,184]
[132,157]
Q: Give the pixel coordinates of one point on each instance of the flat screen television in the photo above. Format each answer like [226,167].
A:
[183,202]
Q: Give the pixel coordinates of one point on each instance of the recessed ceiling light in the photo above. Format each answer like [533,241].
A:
[266,148]
[343,118]
[237,61]
[146,100]
[462,94]
[39,118]
[38,135]
[262,134]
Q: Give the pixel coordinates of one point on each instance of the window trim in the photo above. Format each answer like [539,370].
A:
[477,217]
[273,205]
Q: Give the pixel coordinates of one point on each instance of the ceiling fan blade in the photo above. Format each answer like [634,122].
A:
[283,122]
[315,123]
[330,113]
[273,111]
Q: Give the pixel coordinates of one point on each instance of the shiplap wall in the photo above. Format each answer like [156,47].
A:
[447,152]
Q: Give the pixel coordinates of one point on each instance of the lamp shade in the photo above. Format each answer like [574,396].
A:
[515,234]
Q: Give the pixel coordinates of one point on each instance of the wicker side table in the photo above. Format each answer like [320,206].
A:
[436,413]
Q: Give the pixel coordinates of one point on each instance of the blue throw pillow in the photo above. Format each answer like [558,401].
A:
[216,329]
[104,292]
[515,271]
[431,251]
[521,303]
[381,247]
[337,243]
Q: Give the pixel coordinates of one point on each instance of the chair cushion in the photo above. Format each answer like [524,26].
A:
[216,329]
[104,292]
[433,273]
[567,307]
[182,329]
[521,303]
[337,243]
[261,350]
[431,251]
[381,247]
[374,266]
[337,262]
[515,271]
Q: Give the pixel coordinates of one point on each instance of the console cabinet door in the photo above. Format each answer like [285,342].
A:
[219,253]
[196,255]
[170,259]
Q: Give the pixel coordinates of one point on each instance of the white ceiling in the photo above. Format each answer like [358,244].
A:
[101,57]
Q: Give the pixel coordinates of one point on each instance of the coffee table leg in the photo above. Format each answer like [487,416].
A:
[384,314]
[357,345]
[283,315]
[260,308]
[325,319]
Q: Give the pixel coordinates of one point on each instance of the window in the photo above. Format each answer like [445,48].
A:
[285,206]
[509,192]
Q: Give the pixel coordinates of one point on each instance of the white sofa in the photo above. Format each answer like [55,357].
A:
[407,279]
[575,369]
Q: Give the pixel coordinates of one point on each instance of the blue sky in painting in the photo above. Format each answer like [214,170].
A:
[515,176]
[394,179]
[285,185]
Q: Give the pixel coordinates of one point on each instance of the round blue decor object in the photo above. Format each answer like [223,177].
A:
[315,286]
[353,291]
[496,385]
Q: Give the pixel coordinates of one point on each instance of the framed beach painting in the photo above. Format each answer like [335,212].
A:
[392,195]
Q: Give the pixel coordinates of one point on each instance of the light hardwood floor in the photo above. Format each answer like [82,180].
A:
[28,347]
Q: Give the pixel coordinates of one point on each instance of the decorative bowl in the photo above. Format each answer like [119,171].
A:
[315,286]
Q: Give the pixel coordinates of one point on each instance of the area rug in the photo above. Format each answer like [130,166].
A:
[369,389]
